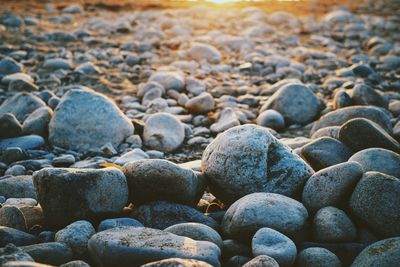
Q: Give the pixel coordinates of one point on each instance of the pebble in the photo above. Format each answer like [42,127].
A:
[129,246]
[365,95]
[163,132]
[227,119]
[17,237]
[332,225]
[17,187]
[296,103]
[378,159]
[76,236]
[77,263]
[22,85]
[375,201]
[37,122]
[135,154]
[53,253]
[21,105]
[317,257]
[200,52]
[9,66]
[94,198]
[196,231]
[9,126]
[54,64]
[262,261]
[170,80]
[359,134]
[63,160]
[15,170]
[325,152]
[90,112]
[271,119]
[272,243]
[162,214]
[12,217]
[385,252]
[202,103]
[10,253]
[157,179]
[254,211]
[248,159]
[118,222]
[331,186]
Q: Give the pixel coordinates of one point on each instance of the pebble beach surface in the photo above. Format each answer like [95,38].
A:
[199,137]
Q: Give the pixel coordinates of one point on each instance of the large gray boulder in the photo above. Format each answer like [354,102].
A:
[296,102]
[135,246]
[86,120]
[257,210]
[248,159]
[67,195]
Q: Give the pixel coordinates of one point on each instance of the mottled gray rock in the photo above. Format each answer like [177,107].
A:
[317,257]
[156,179]
[163,132]
[271,119]
[257,210]
[18,187]
[227,119]
[53,253]
[365,95]
[202,103]
[11,253]
[248,159]
[57,63]
[379,160]
[134,246]
[17,237]
[161,214]
[359,134]
[15,170]
[118,222]
[170,80]
[262,261]
[76,236]
[86,120]
[9,126]
[175,262]
[21,105]
[12,217]
[77,263]
[196,231]
[133,155]
[24,142]
[341,116]
[296,103]
[93,195]
[200,52]
[376,202]
[384,253]
[9,66]
[272,243]
[331,186]
[325,152]
[332,225]
[37,122]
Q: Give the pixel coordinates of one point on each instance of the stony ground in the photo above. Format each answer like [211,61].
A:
[199,136]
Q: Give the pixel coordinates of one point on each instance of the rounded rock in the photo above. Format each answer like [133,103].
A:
[317,257]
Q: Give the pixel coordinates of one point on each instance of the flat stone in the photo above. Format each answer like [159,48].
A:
[17,237]
[53,253]
[161,214]
[24,142]
[134,246]
[170,80]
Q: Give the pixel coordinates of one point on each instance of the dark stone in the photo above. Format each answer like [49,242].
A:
[9,126]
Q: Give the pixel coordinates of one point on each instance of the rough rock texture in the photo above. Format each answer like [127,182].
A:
[21,105]
[86,120]
[257,210]
[157,179]
[376,201]
[384,253]
[95,193]
[248,159]
[133,246]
